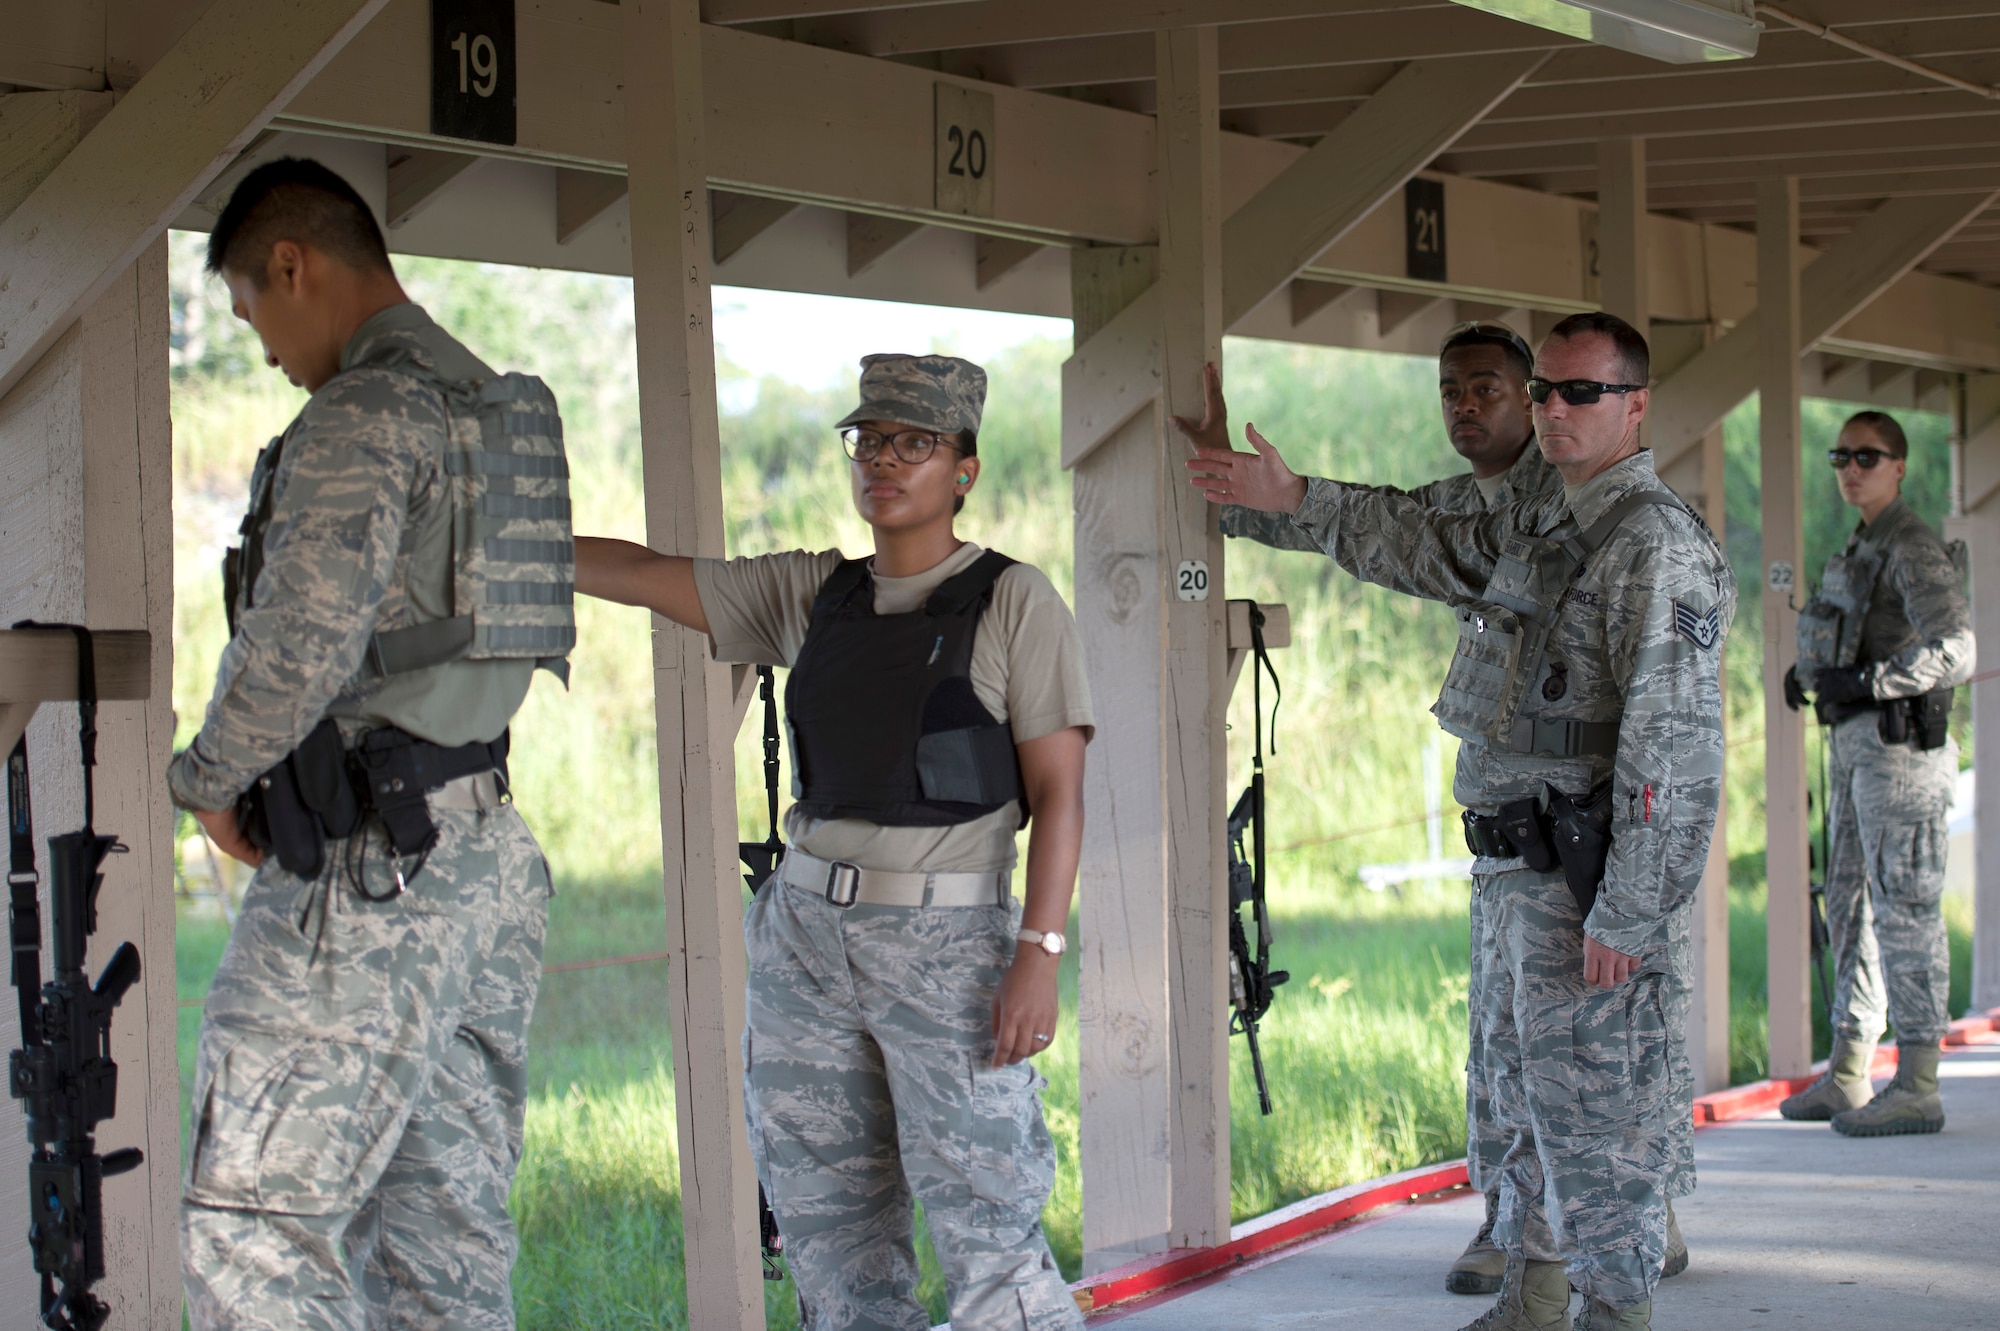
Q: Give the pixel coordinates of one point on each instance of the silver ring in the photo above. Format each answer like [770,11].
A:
[1042,1037]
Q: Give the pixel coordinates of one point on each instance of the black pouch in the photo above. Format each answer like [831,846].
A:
[391,763]
[1580,826]
[1930,718]
[319,765]
[275,818]
[1521,820]
[1894,725]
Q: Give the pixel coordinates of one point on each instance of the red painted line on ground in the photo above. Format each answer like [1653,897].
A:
[1315,1216]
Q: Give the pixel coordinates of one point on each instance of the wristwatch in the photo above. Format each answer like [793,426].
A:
[1051,943]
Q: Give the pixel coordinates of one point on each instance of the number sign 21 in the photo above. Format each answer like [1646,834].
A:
[472,69]
[1423,230]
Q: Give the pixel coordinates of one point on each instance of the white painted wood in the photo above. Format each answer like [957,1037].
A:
[1786,863]
[870,239]
[53,45]
[1122,892]
[1111,377]
[1309,298]
[1851,274]
[996,256]
[416,178]
[37,130]
[1624,259]
[1394,309]
[694,698]
[581,198]
[1978,422]
[39,665]
[741,218]
[1372,154]
[152,154]
[1194,672]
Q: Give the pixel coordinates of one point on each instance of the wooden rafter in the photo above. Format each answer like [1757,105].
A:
[417,176]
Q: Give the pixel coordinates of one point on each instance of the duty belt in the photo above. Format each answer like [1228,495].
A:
[847,885]
[1563,739]
[1510,833]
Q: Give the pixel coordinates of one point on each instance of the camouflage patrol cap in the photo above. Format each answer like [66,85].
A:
[941,393]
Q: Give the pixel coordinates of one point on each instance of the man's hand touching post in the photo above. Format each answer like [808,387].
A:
[1258,480]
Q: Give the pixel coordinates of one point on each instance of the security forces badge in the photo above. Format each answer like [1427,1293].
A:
[1703,629]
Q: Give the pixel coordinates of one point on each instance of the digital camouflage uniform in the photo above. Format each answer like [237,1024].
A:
[360,1084]
[1530,475]
[868,1077]
[1887,803]
[1586,1090]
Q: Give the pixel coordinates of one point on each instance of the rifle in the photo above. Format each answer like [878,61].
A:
[64,1072]
[1252,982]
[762,859]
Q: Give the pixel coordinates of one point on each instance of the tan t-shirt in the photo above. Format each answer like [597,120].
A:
[1027,669]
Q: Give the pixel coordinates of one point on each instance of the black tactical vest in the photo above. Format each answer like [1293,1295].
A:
[883,720]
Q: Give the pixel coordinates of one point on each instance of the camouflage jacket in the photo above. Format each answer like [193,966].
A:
[1917,635]
[1530,475]
[1637,637]
[359,539]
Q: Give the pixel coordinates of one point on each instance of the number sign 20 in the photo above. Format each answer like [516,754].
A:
[965,156]
[472,69]
[1423,226]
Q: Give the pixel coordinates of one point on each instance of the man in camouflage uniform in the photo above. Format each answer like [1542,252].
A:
[1483,368]
[1588,673]
[360,1086]
[1888,632]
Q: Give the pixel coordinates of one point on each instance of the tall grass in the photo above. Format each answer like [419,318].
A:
[1367,1042]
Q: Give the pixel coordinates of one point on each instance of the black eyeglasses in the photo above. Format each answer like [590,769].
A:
[911,446]
[1477,332]
[1576,392]
[1864,458]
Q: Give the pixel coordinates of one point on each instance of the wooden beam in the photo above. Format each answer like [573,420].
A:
[53,46]
[1393,309]
[741,218]
[1111,378]
[1473,311]
[993,257]
[924,28]
[39,665]
[1309,298]
[1976,422]
[1842,282]
[38,130]
[693,697]
[1623,230]
[153,152]
[1321,196]
[1779,341]
[416,176]
[870,238]
[581,198]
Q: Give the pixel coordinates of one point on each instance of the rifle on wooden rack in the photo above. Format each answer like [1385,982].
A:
[63,1072]
[1252,982]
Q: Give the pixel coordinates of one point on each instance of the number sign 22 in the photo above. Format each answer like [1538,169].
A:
[965,156]
[472,69]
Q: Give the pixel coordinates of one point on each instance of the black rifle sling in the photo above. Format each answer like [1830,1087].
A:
[24,911]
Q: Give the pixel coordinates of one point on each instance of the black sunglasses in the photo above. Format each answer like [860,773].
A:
[1864,458]
[1576,392]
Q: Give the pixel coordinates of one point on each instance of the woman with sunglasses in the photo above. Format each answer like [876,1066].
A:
[897,988]
[1884,641]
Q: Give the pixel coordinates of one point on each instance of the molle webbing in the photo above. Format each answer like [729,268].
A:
[514,563]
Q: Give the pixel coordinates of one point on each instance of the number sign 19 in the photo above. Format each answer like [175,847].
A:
[965,153]
[1423,225]
[472,69]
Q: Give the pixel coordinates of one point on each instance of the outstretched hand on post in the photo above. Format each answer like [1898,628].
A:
[1258,480]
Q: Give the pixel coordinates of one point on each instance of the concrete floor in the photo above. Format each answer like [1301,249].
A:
[1793,1226]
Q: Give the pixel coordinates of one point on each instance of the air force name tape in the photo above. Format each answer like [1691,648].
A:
[1700,629]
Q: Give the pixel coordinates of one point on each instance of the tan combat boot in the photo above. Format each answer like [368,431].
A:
[1534,1296]
[1843,1086]
[1677,1248]
[1909,1103]
[1601,1316]
[1479,1268]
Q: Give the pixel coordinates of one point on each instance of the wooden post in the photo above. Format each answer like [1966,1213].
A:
[693,699]
[1979,429]
[1622,252]
[1786,865]
[1190,280]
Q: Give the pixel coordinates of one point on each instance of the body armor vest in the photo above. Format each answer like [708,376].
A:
[1502,642]
[1830,623]
[513,559]
[880,709]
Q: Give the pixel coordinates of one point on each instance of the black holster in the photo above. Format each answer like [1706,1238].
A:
[1930,718]
[1580,826]
[1518,828]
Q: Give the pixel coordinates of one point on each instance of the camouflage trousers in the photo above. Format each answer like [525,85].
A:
[1586,1093]
[1886,811]
[360,1088]
[1485,1145]
[867,1080]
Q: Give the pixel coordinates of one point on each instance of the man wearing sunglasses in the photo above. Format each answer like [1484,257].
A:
[1587,692]
[1885,639]
[1483,369]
